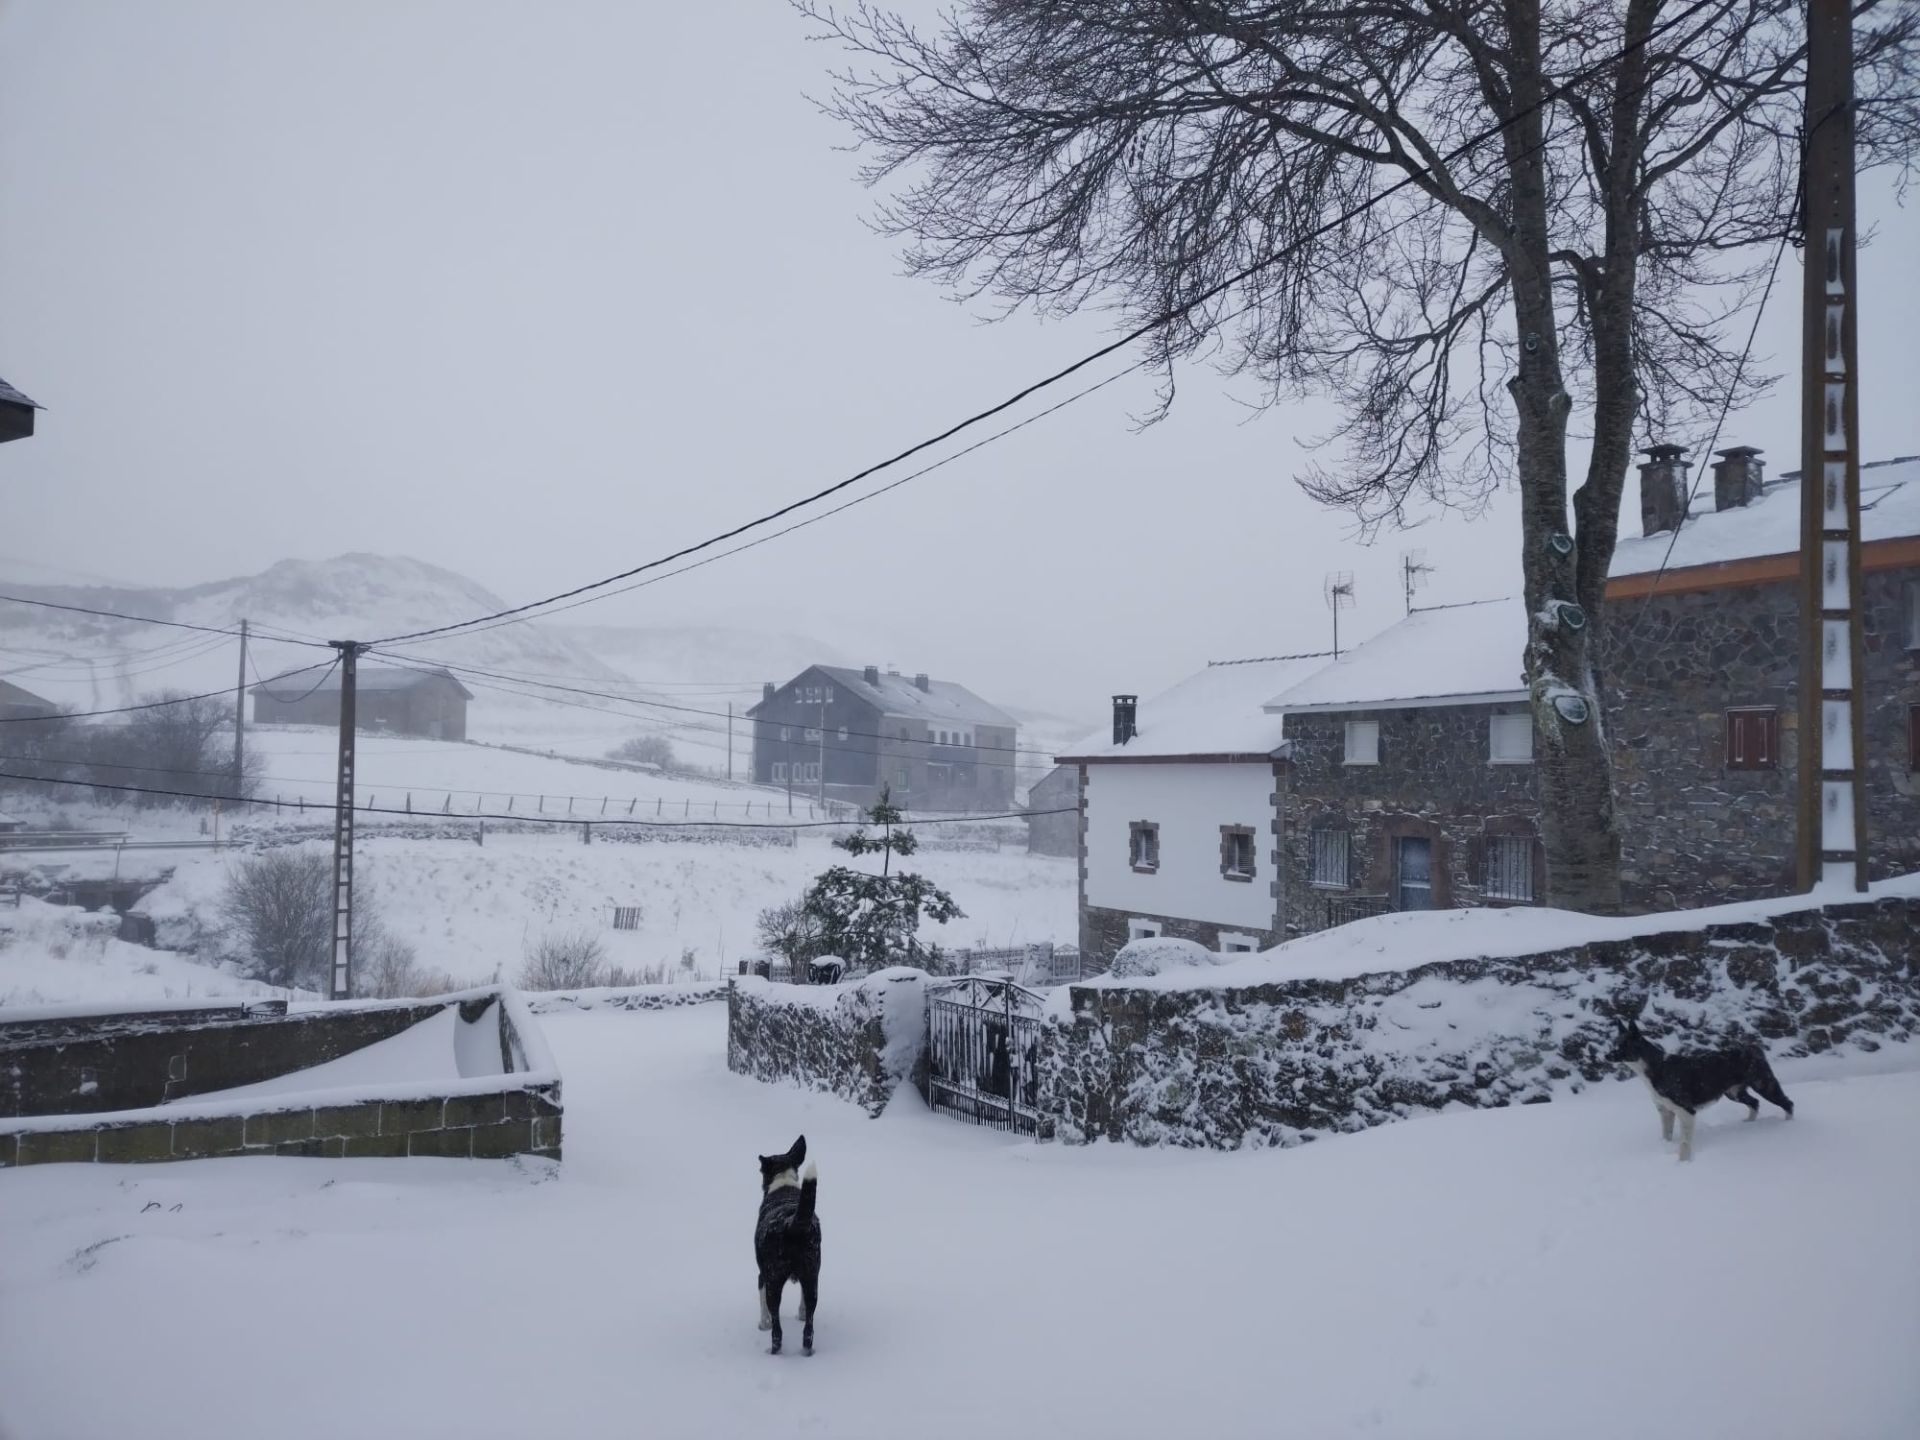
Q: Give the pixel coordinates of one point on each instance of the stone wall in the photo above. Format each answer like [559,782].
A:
[859,1040]
[1695,832]
[1433,780]
[80,1086]
[629,997]
[1286,1061]
[1103,932]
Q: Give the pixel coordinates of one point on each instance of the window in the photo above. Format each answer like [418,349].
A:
[1231,944]
[779,770]
[900,778]
[1753,739]
[1143,929]
[1363,742]
[1143,846]
[1236,852]
[1913,737]
[843,734]
[1510,868]
[1510,739]
[786,732]
[1330,851]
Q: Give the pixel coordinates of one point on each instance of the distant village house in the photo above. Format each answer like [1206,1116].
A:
[19,704]
[427,703]
[845,734]
[1053,813]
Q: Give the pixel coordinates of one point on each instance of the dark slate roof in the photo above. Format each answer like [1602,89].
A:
[898,695]
[13,396]
[12,694]
[370,678]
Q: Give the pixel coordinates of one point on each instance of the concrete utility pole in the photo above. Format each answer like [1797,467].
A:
[1831,842]
[340,986]
[823,754]
[729,740]
[240,718]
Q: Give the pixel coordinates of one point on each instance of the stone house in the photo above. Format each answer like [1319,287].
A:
[428,703]
[1052,813]
[844,734]
[1409,780]
[1702,665]
[1179,812]
[1401,773]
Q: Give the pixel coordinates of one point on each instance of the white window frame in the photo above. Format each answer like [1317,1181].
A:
[1232,944]
[1138,929]
[1362,743]
[779,770]
[1149,833]
[1502,732]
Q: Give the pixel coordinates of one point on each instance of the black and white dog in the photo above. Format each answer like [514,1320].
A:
[1684,1085]
[786,1242]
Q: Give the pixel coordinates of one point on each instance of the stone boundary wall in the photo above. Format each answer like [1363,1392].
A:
[58,1065]
[858,1040]
[1284,1062]
[633,997]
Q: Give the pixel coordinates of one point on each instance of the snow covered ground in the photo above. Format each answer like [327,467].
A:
[53,954]
[1548,1270]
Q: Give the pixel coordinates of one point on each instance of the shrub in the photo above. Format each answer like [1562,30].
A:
[654,750]
[279,918]
[565,960]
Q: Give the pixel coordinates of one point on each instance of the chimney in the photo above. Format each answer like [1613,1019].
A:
[1663,489]
[1124,709]
[766,691]
[920,681]
[871,674]
[1737,477]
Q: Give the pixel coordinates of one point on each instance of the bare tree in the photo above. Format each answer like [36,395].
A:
[178,744]
[573,960]
[1481,225]
[279,913]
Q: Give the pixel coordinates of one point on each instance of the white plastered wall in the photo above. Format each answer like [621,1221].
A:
[1190,803]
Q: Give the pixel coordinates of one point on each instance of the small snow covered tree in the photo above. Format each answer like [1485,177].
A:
[874,920]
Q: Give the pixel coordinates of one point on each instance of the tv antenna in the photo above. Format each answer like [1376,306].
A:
[1414,570]
[1338,588]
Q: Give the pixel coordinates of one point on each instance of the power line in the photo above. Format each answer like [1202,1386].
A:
[137,619]
[567,820]
[151,704]
[1726,404]
[478,628]
[1138,332]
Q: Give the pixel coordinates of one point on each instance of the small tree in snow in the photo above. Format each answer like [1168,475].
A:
[874,920]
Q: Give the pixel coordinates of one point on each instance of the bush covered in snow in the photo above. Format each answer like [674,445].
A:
[1158,954]
[565,960]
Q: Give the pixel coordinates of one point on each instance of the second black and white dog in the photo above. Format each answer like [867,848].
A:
[786,1241]
[1684,1085]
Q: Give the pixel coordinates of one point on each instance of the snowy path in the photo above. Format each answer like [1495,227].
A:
[1548,1270]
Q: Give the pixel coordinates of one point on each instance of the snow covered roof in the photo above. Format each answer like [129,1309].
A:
[1469,653]
[1770,525]
[1212,713]
[12,696]
[367,678]
[898,695]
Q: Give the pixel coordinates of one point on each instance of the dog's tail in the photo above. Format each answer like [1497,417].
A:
[809,1184]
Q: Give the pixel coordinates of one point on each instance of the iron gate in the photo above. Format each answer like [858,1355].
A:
[983,1042]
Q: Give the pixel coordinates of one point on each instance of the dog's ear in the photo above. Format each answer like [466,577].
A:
[798,1154]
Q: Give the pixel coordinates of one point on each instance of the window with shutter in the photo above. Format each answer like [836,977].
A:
[1143,846]
[1753,739]
[1236,852]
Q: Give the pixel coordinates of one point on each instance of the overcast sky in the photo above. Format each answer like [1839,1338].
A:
[538,291]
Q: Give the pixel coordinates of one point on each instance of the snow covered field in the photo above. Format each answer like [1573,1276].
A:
[1548,1270]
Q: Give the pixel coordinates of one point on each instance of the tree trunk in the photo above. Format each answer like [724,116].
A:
[1578,826]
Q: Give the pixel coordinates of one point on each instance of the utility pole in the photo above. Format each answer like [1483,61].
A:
[240,718]
[729,740]
[1831,840]
[340,986]
[823,754]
